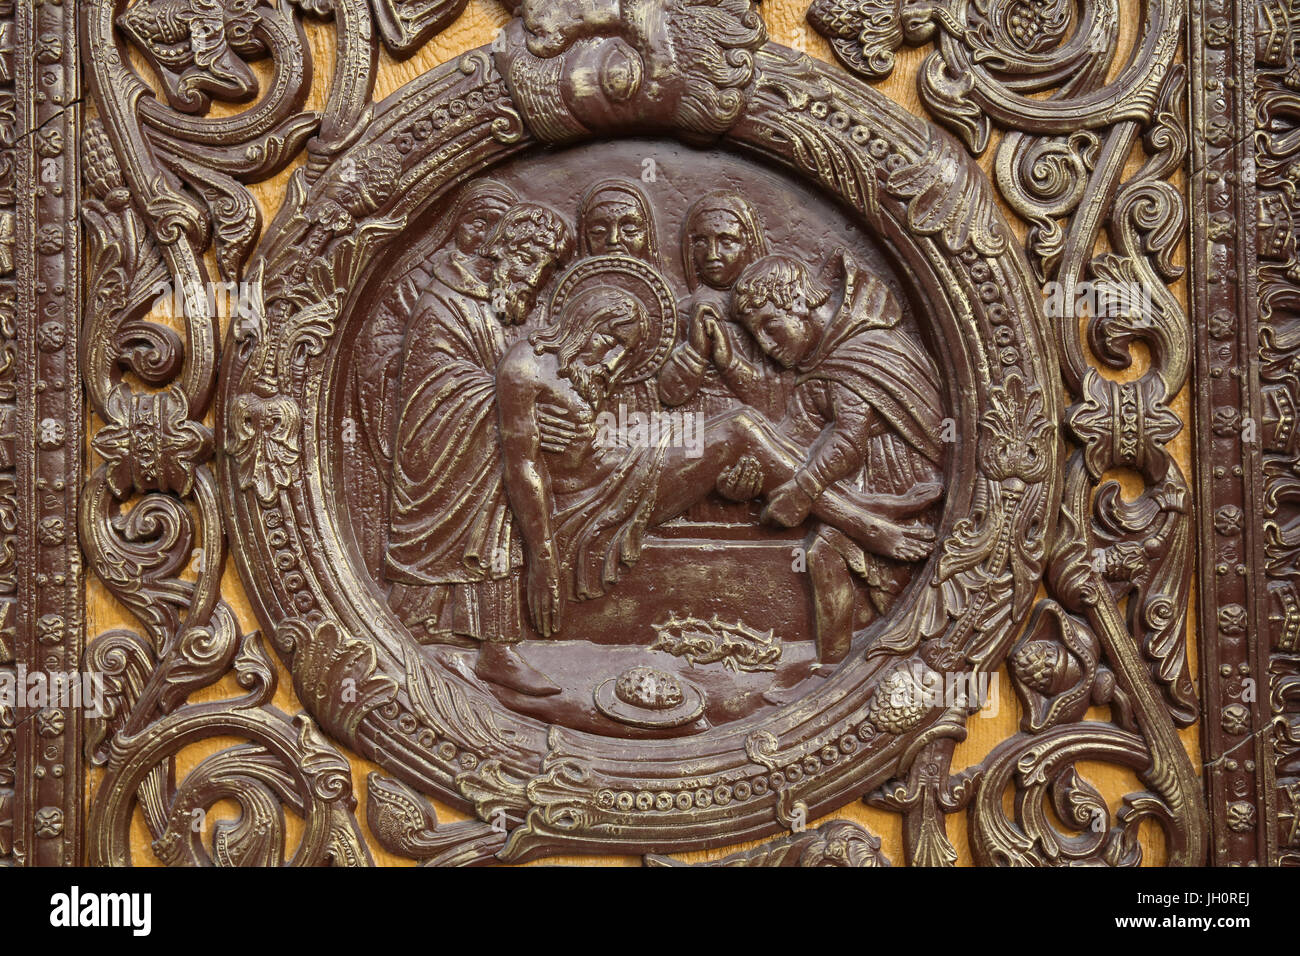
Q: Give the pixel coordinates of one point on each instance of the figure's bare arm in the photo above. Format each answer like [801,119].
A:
[528,482]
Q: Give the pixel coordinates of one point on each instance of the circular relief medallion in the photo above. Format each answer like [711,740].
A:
[640,488]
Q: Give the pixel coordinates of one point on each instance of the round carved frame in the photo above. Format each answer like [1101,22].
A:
[358,671]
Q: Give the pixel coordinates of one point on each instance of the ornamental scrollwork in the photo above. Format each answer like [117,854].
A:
[411,432]
[1067,180]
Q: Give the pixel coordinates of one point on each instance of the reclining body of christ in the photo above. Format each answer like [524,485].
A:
[583,506]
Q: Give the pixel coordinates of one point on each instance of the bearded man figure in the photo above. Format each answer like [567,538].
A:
[459,264]
[452,558]
[583,505]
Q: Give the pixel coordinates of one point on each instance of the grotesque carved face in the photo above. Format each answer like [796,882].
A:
[718,248]
[617,226]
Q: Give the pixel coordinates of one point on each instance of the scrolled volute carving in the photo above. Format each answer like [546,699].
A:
[379,657]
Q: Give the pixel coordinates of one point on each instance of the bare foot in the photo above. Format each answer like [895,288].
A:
[901,542]
[501,664]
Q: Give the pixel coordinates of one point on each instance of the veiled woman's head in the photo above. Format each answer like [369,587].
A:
[477,214]
[616,219]
[721,237]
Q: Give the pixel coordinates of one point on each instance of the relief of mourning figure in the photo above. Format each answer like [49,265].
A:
[866,415]
[583,506]
[616,218]
[722,235]
[457,266]
[452,558]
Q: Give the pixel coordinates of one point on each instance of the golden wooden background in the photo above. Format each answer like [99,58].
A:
[786,24]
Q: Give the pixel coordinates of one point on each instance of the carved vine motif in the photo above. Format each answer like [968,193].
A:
[1060,165]
[166,182]
[152,388]
[9,513]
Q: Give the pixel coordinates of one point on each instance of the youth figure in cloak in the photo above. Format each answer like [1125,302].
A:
[865,417]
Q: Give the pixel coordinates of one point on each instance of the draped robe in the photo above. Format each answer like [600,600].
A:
[870,379]
[453,553]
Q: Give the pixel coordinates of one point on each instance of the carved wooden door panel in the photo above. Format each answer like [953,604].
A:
[678,432]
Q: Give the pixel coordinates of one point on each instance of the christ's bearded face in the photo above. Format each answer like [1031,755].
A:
[604,358]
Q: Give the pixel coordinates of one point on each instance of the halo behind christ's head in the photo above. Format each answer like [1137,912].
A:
[644,283]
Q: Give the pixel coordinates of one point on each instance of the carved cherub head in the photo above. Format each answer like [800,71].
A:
[843,844]
[554,24]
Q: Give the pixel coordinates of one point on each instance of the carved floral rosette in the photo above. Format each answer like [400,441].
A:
[560,790]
